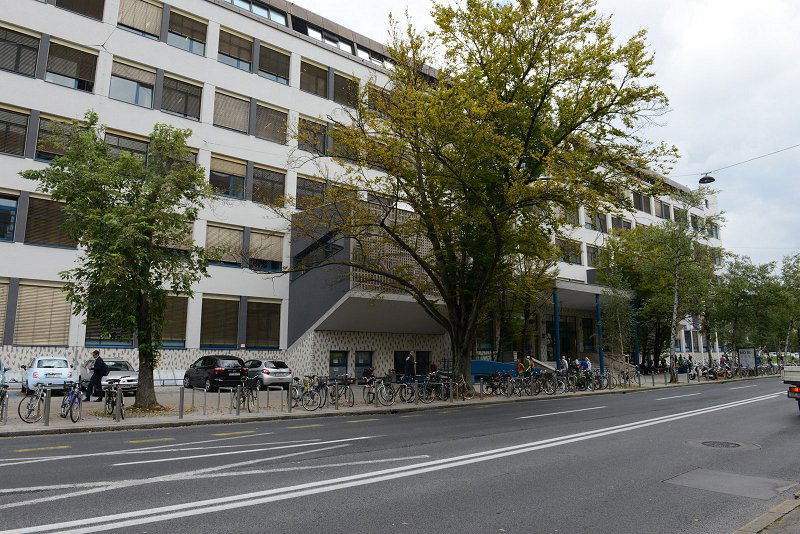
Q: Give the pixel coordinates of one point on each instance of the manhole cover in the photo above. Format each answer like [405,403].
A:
[721,444]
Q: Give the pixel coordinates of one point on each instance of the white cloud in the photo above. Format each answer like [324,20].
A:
[731,71]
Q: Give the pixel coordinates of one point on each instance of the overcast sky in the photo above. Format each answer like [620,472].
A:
[731,69]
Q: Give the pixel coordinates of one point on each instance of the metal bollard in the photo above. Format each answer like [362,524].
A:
[336,393]
[451,390]
[230,409]
[480,381]
[665,378]
[416,392]
[639,378]
[118,404]
[258,400]
[288,399]
[238,400]
[180,402]
[5,408]
[687,376]
[281,395]
[653,376]
[192,398]
[219,398]
[47,394]
[205,400]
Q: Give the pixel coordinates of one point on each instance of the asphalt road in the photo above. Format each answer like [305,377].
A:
[628,463]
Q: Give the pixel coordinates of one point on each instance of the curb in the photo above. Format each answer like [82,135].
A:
[43,431]
[774,514]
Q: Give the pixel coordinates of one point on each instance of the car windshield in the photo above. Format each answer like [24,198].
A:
[276,365]
[231,363]
[52,363]
[119,366]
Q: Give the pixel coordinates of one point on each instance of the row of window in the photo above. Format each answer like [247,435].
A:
[570,252]
[43,314]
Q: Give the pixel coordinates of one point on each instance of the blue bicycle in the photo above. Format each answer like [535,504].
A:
[71,403]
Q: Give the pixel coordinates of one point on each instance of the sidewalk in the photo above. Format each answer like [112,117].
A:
[215,408]
[781,519]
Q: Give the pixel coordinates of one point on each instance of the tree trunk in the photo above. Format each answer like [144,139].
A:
[673,328]
[459,349]
[496,327]
[786,345]
[145,391]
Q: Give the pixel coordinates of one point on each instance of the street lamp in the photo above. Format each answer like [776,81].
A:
[706,179]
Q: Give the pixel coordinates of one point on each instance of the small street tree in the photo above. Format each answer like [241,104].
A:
[131,217]
[536,106]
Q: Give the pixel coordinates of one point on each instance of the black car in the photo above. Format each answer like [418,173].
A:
[212,372]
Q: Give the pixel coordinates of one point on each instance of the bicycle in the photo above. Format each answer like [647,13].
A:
[110,393]
[463,389]
[341,390]
[249,393]
[71,402]
[385,391]
[31,408]
[304,394]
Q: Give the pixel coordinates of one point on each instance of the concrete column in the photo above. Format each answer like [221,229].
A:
[111,12]
[11,311]
[32,134]
[599,332]
[291,187]
[251,122]
[294,69]
[77,331]
[256,56]
[102,75]
[212,39]
[41,59]
[241,336]
[158,90]
[194,311]
[330,83]
[164,23]
[556,330]
[246,246]
[292,126]
[22,216]
[248,184]
[207,105]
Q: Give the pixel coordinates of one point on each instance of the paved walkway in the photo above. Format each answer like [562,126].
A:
[206,408]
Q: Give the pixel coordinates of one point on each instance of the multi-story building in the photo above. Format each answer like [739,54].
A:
[244,76]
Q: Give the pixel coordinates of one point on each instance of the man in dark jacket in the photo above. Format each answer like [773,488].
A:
[99,370]
[410,372]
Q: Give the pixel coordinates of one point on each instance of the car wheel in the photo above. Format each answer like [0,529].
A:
[209,387]
[186,382]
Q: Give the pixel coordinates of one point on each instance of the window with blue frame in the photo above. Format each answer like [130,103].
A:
[173,334]
[140,16]
[13,128]
[219,323]
[235,51]
[263,325]
[71,67]
[265,253]
[187,33]
[97,336]
[227,177]
[224,245]
[8,217]
[132,84]
[262,9]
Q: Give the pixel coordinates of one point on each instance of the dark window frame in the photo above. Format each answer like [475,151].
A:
[20,48]
[186,42]
[9,129]
[232,60]
[185,95]
[11,225]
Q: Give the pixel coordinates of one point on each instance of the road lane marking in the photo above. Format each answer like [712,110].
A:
[679,396]
[165,513]
[151,440]
[361,420]
[227,453]
[234,433]
[411,415]
[304,426]
[742,387]
[565,411]
[54,447]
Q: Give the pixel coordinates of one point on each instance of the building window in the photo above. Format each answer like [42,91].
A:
[570,251]
[345,90]
[90,8]
[328,38]
[713,231]
[235,51]
[687,340]
[227,177]
[266,252]
[219,323]
[132,84]
[273,65]
[95,337]
[140,16]
[317,252]
[263,325]
[13,127]
[696,222]
[641,202]
[309,193]
[8,220]
[224,245]
[18,52]
[312,136]
[268,186]
[592,255]
[119,143]
[173,334]
[618,223]
[181,98]
[314,79]
[572,216]
[42,317]
[271,124]
[231,112]
[187,33]
[262,9]
[662,210]
[70,67]
[587,327]
[681,215]
[47,145]
[45,225]
[597,221]
[363,362]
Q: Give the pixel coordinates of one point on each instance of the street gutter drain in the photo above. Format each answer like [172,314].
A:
[721,444]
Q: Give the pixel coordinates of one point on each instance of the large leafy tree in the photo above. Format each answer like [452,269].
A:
[131,217]
[535,106]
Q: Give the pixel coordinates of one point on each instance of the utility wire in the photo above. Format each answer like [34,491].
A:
[738,163]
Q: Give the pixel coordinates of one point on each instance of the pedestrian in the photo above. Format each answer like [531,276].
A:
[564,364]
[410,372]
[520,366]
[527,366]
[99,370]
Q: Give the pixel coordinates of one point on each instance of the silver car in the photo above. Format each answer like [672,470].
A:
[117,369]
[272,372]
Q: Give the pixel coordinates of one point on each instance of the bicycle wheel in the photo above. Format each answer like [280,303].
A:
[30,409]
[109,404]
[368,394]
[467,391]
[550,385]
[406,393]
[385,396]
[75,409]
[252,400]
[426,393]
[311,400]
[64,406]
[536,386]
[349,396]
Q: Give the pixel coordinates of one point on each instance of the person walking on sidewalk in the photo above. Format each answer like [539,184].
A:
[99,370]
[409,373]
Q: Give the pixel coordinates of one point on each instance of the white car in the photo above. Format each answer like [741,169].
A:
[48,370]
